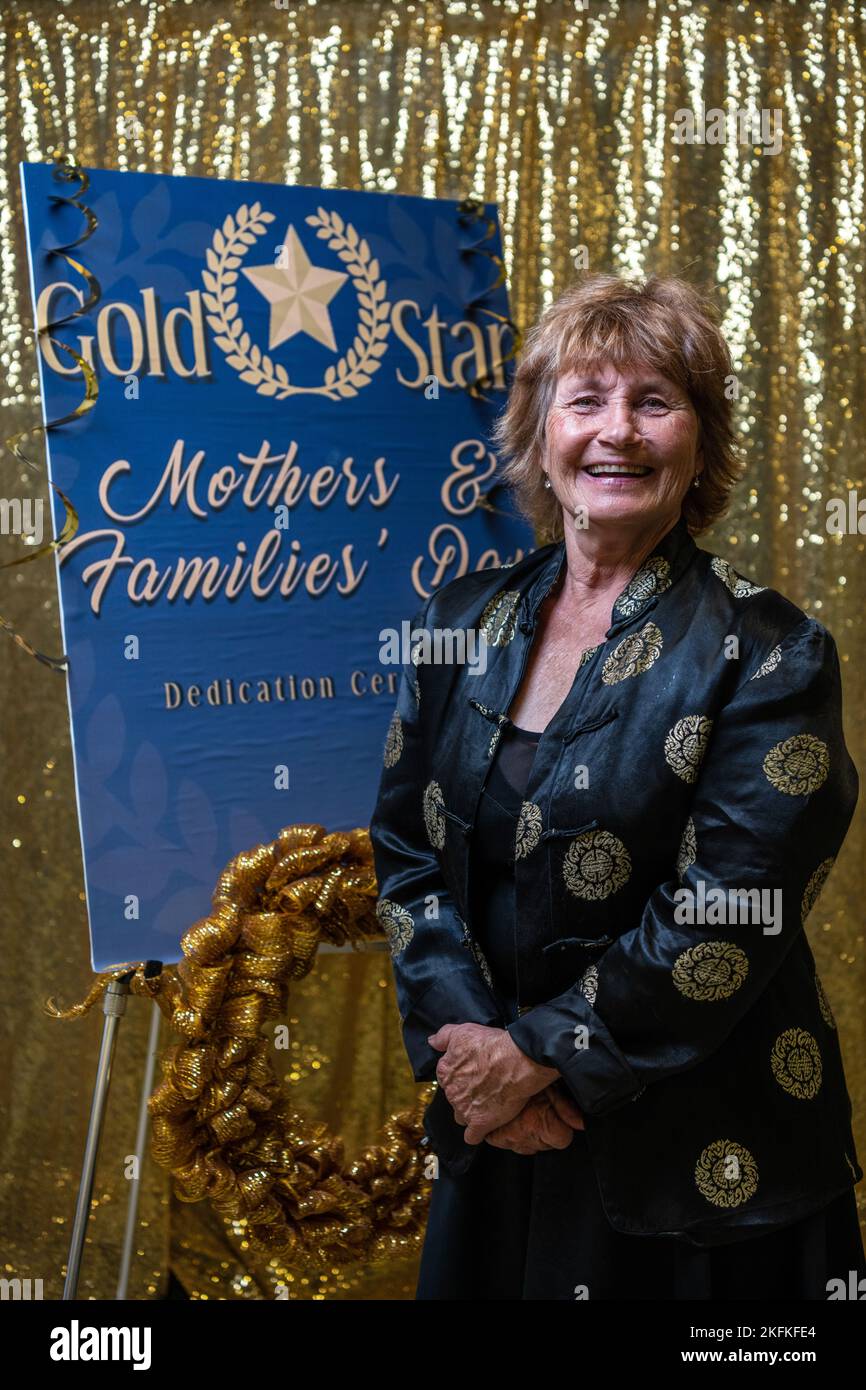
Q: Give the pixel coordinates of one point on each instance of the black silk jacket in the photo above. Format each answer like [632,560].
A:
[700,748]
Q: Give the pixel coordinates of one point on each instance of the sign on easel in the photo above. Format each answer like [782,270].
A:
[285,457]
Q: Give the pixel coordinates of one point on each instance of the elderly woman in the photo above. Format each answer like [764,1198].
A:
[597,856]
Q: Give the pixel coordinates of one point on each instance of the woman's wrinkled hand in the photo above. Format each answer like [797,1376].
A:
[547,1121]
[564,1106]
[485,1076]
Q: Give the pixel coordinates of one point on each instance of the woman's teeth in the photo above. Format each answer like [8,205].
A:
[616,470]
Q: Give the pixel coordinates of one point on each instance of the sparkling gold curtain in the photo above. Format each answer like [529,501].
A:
[563,114]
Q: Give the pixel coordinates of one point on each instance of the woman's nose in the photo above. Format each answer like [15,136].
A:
[617,425]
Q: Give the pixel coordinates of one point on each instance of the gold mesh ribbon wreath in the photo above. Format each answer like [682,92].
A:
[222,1122]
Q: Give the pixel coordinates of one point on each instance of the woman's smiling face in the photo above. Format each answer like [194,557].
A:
[623,444]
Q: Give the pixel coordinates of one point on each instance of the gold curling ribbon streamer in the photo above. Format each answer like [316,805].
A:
[222,1124]
[68,171]
[472,209]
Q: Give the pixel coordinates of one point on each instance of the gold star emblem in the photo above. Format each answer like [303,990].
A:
[298,293]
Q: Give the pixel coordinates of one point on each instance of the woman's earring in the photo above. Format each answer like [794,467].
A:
[546,481]
[697,481]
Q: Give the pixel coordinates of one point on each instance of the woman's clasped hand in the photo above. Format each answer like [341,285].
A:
[501,1095]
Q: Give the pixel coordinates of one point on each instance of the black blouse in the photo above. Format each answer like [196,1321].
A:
[494,909]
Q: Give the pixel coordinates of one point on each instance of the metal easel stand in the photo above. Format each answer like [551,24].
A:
[113,1008]
[140,1142]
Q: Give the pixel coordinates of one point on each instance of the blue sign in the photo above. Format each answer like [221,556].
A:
[283,460]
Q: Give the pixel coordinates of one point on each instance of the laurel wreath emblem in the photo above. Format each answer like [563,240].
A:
[224,257]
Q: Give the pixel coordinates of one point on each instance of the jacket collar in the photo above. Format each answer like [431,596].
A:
[659,572]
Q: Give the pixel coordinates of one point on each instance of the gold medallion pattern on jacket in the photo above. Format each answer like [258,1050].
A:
[596,864]
[528,831]
[772,661]
[434,821]
[798,765]
[397,924]
[710,970]
[824,1003]
[476,953]
[726,1173]
[653,577]
[812,891]
[688,850]
[417,653]
[735,583]
[498,620]
[393,740]
[633,655]
[481,962]
[796,1063]
[686,744]
[587,654]
[588,983]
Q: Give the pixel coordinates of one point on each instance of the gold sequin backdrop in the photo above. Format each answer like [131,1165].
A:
[562,113]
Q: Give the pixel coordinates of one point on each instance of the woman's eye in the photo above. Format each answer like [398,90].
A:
[655,402]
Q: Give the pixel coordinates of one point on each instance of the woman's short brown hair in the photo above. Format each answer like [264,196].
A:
[664,323]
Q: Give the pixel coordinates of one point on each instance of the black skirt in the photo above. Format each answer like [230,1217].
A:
[532,1226]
